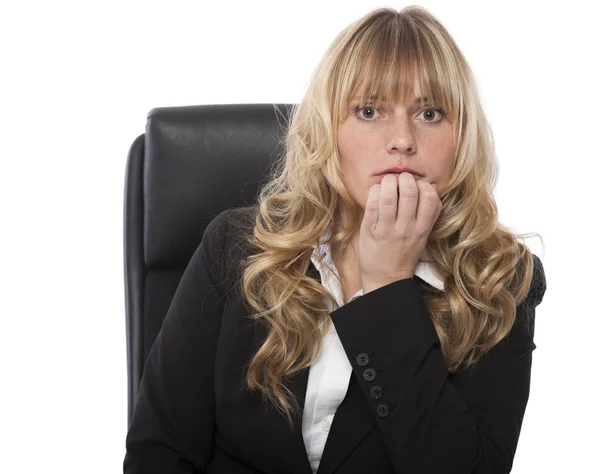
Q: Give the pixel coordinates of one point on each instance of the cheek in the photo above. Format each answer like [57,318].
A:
[353,154]
[442,168]
[347,143]
[442,155]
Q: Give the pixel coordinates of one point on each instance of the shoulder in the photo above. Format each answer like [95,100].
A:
[524,326]
[537,288]
[224,244]
[227,228]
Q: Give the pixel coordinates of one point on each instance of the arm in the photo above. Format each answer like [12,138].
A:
[172,424]
[432,422]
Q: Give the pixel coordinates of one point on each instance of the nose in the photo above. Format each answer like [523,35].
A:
[401,136]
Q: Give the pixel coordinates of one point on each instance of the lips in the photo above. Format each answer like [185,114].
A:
[397,170]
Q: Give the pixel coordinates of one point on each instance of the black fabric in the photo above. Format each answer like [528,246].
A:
[193,413]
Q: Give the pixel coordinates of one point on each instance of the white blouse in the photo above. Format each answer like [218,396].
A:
[329,376]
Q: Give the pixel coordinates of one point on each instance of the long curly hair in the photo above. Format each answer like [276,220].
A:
[486,271]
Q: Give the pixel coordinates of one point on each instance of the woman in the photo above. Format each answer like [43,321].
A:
[370,314]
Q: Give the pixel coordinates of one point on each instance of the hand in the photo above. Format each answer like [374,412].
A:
[395,229]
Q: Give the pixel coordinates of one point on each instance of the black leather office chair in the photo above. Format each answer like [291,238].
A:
[192,163]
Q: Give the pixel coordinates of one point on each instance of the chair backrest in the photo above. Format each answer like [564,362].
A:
[192,163]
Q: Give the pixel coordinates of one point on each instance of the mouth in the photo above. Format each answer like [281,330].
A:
[398,170]
[396,174]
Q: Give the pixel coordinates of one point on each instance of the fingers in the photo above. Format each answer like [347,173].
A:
[388,203]
[416,208]
[407,208]
[429,207]
[371,209]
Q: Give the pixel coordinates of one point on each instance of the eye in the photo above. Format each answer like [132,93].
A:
[370,110]
[430,113]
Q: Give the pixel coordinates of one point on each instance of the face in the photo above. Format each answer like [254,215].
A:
[412,136]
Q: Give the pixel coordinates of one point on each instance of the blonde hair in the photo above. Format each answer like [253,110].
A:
[486,271]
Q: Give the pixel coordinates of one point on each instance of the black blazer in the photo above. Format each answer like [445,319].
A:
[194,414]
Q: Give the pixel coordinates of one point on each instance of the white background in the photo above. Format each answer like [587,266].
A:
[77,81]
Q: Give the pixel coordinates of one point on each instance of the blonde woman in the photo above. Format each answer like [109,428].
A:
[369,314]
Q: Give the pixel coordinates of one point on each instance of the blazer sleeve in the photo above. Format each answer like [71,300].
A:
[429,420]
[172,423]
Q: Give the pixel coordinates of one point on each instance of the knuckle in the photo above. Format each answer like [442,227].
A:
[403,233]
[431,195]
[409,191]
[422,231]
[388,200]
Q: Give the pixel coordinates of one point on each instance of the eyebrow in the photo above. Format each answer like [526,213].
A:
[417,100]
